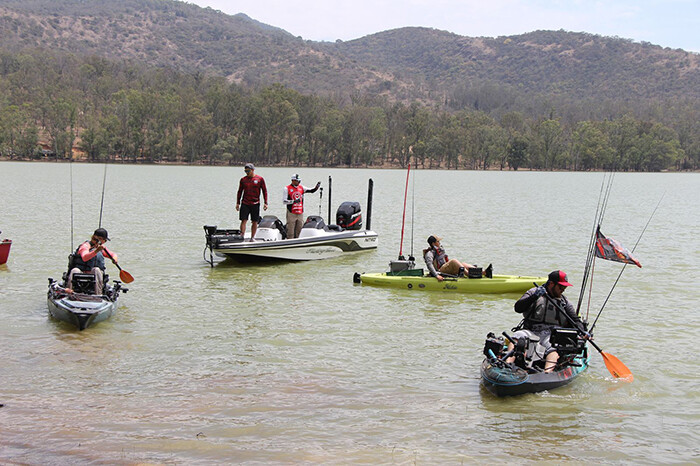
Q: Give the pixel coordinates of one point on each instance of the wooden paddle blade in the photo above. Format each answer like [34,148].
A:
[127,278]
[616,367]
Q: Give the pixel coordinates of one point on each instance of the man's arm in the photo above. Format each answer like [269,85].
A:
[240,192]
[429,263]
[263,188]
[526,301]
[285,197]
[314,189]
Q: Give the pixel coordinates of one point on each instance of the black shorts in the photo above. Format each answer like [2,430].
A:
[252,210]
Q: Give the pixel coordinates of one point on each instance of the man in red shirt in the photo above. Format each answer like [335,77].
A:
[248,199]
[89,258]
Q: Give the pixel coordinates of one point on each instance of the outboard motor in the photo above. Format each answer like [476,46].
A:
[349,216]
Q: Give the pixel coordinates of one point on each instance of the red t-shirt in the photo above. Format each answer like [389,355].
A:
[250,187]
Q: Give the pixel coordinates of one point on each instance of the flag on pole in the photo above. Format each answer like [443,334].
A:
[610,249]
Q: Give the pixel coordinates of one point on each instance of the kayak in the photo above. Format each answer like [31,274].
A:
[79,305]
[78,309]
[525,376]
[423,282]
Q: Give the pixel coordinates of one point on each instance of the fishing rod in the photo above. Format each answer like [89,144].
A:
[625,265]
[320,199]
[71,204]
[125,276]
[403,220]
[616,367]
[102,203]
[597,220]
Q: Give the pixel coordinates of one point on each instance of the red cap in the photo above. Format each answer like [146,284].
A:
[560,278]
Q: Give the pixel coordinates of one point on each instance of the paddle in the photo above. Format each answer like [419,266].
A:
[614,365]
[123,274]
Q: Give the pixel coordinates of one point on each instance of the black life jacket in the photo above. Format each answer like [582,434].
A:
[97,261]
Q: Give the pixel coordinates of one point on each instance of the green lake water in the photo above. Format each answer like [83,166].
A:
[293,363]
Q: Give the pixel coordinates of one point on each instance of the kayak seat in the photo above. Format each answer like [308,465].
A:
[83,283]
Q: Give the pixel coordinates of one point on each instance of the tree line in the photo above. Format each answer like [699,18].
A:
[64,107]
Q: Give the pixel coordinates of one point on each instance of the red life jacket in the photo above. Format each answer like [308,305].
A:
[296,193]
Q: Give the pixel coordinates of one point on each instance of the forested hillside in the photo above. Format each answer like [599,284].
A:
[166,81]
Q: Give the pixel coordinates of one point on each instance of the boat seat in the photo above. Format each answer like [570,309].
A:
[271,221]
[314,221]
[83,283]
[335,228]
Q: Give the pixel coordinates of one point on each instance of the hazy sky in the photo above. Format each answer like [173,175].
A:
[669,23]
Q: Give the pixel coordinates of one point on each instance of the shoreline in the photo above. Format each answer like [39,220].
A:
[371,167]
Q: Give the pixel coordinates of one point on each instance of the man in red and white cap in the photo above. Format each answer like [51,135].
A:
[541,314]
[293,199]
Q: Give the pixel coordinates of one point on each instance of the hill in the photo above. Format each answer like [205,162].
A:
[403,64]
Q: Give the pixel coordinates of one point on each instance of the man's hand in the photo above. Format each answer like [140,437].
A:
[540,291]
[318,184]
[439,277]
[238,207]
[265,207]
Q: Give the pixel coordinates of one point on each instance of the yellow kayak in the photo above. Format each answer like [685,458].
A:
[496,284]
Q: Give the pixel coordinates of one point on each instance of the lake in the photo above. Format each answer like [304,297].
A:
[293,363]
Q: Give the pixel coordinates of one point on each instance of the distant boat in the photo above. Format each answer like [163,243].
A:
[5,246]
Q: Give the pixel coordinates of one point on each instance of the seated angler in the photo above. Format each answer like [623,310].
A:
[541,316]
[89,258]
[438,263]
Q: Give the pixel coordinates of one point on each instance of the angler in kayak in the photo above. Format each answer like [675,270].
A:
[293,199]
[89,258]
[539,307]
[439,263]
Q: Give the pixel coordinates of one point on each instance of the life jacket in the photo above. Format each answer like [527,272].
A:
[296,193]
[544,311]
[439,257]
[97,261]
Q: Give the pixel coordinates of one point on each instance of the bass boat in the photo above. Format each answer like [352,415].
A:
[78,304]
[404,275]
[317,240]
[526,374]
